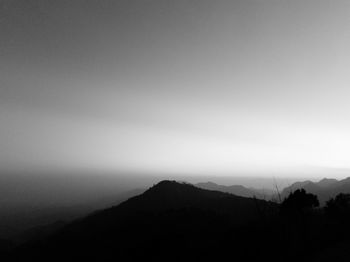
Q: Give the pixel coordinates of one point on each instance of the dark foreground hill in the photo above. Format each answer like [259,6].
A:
[169,222]
[179,222]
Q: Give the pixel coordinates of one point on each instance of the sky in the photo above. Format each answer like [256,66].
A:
[179,87]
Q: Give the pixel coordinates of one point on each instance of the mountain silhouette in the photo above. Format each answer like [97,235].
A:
[174,221]
[20,224]
[170,221]
[327,182]
[237,190]
[324,189]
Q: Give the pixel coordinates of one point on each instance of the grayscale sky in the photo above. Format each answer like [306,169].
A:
[164,86]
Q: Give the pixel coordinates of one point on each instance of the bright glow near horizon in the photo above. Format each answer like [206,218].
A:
[190,88]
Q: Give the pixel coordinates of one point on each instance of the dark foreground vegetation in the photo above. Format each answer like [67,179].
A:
[179,222]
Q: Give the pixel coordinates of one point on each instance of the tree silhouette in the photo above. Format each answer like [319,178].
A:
[338,207]
[299,201]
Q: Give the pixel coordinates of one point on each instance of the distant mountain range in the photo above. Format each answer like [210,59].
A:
[238,190]
[324,189]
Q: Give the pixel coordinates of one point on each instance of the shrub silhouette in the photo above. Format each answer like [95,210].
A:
[299,201]
[338,207]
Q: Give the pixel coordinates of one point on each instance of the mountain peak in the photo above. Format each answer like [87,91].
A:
[325,182]
[178,191]
[174,195]
[169,186]
[206,184]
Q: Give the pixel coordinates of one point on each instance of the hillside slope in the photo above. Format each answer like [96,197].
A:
[170,218]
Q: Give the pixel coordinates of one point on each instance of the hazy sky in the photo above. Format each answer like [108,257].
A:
[188,87]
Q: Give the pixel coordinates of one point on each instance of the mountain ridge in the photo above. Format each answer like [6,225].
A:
[238,190]
[325,189]
[167,214]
